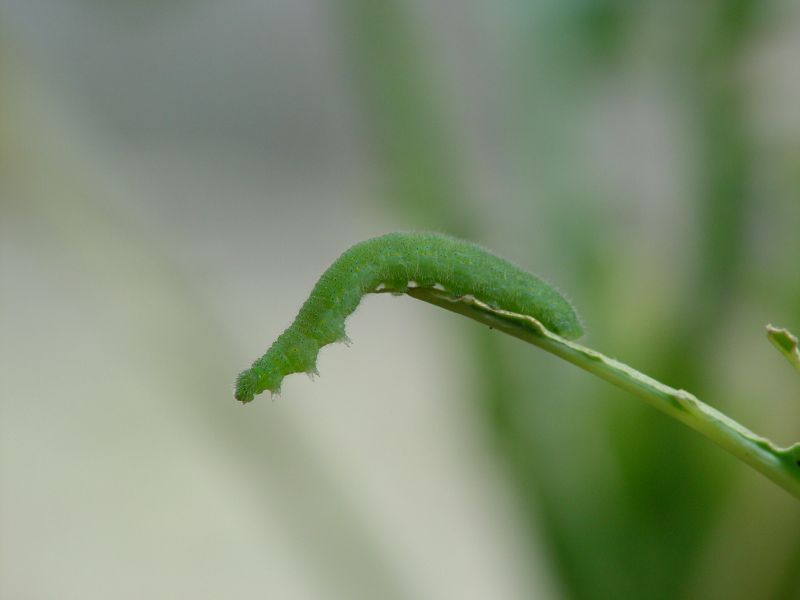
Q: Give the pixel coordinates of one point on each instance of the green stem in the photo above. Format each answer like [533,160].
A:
[781,465]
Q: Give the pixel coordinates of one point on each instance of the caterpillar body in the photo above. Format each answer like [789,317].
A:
[393,261]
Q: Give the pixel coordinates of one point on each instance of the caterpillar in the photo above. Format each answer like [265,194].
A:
[392,262]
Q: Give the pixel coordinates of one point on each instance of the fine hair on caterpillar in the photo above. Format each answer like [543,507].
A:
[390,263]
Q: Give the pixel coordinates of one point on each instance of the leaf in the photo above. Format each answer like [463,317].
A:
[786,343]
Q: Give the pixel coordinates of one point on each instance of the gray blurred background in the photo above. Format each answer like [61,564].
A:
[175,175]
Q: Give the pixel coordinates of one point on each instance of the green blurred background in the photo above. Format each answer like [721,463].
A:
[175,175]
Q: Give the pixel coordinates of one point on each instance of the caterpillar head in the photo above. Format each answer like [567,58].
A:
[254,381]
[245,387]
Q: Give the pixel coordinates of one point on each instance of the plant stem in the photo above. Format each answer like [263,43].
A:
[781,465]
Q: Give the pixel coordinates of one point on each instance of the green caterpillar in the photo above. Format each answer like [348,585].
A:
[392,261]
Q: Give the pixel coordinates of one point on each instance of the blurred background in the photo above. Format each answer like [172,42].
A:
[175,175]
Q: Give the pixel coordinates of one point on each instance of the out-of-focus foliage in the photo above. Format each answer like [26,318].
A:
[637,522]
